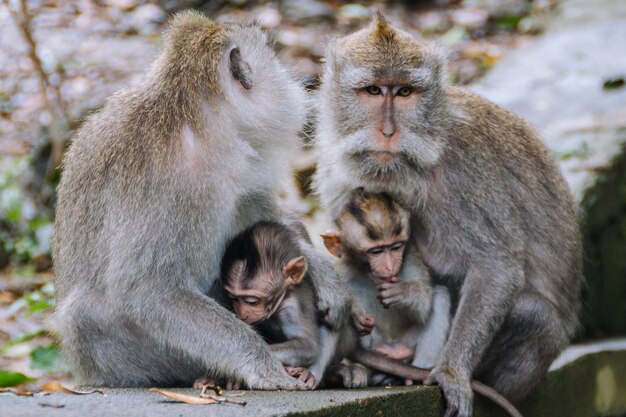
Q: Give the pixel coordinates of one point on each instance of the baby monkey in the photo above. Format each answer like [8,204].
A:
[266,279]
[387,277]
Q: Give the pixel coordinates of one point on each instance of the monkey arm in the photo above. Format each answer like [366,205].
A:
[487,295]
[210,335]
[430,338]
[333,298]
[299,326]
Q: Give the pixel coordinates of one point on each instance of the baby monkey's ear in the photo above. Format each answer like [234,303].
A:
[240,69]
[295,270]
[332,241]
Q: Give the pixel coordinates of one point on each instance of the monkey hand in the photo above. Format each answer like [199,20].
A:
[304,375]
[393,292]
[456,390]
[351,375]
[363,322]
[275,382]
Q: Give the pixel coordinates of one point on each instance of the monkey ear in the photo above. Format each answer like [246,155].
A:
[332,241]
[240,69]
[295,270]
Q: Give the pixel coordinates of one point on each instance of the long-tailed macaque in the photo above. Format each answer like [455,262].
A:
[491,213]
[154,185]
[266,279]
[381,265]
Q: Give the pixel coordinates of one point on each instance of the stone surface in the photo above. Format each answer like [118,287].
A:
[586,381]
[556,83]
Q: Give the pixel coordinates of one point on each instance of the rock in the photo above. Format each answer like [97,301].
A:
[306,10]
[500,8]
[558,82]
[471,18]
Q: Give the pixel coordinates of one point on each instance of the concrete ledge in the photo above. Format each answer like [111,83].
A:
[591,385]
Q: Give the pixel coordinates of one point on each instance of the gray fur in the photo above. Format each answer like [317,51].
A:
[491,212]
[153,186]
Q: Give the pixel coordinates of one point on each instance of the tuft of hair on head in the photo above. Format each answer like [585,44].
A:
[378,213]
[381,30]
[265,246]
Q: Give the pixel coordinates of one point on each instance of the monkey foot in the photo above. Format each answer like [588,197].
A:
[303,375]
[399,352]
[207,383]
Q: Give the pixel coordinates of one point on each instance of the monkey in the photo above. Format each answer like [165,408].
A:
[374,243]
[153,186]
[265,278]
[493,217]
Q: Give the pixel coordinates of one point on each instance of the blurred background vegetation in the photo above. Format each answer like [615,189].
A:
[61,59]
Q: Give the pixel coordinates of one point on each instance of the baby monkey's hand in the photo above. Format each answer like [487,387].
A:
[363,322]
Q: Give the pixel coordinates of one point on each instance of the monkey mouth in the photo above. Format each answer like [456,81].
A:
[383,280]
[383,156]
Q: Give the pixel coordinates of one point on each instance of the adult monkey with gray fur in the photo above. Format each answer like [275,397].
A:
[153,187]
[492,212]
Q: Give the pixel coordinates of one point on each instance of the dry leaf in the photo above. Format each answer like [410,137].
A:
[183,398]
[222,399]
[55,386]
[18,392]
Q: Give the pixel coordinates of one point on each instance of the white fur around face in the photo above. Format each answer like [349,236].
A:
[269,116]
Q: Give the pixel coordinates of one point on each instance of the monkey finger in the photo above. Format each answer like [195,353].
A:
[233,385]
[388,285]
[311,382]
[386,302]
[394,299]
[204,382]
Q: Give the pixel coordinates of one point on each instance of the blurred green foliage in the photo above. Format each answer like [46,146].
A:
[25,231]
[34,301]
[11,379]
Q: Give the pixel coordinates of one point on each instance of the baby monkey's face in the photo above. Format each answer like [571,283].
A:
[258,297]
[258,301]
[384,258]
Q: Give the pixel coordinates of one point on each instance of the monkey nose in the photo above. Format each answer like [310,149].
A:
[388,130]
[387,136]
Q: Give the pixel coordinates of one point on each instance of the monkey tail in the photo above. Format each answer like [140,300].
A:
[399,369]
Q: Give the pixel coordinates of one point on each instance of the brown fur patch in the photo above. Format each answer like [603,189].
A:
[390,52]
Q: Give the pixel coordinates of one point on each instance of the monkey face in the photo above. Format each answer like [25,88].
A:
[255,305]
[385,261]
[383,100]
[262,295]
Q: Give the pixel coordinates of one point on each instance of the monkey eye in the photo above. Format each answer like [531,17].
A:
[251,301]
[376,251]
[373,90]
[397,245]
[404,91]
